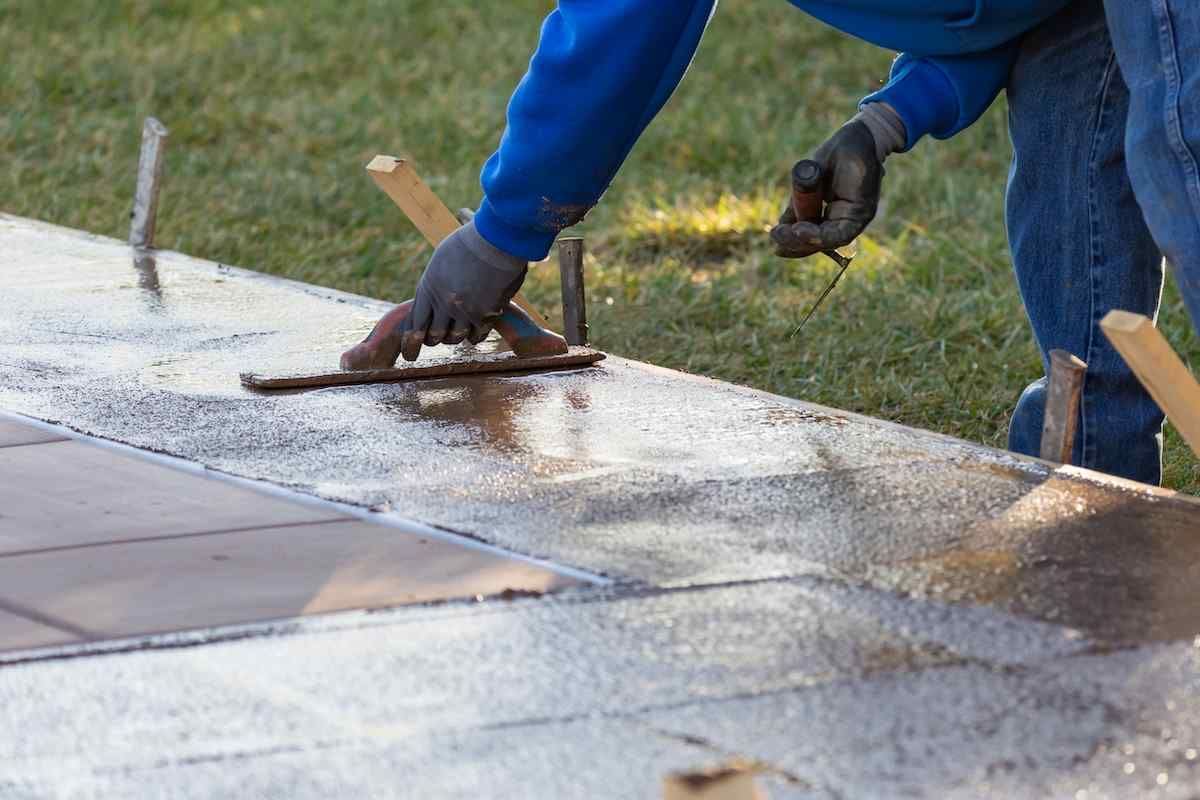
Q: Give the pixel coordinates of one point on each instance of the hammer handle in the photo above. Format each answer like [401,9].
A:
[808,201]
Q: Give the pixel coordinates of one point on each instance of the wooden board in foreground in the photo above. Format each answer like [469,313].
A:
[397,178]
[400,181]
[733,781]
[1160,370]
[433,368]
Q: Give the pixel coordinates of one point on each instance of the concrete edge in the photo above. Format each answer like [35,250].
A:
[1031,464]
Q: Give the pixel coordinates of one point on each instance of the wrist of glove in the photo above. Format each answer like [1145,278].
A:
[463,290]
[886,127]
[852,172]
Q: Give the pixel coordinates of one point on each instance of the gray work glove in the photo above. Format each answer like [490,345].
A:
[852,167]
[463,290]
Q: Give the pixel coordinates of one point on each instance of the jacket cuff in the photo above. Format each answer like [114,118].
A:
[923,97]
[524,243]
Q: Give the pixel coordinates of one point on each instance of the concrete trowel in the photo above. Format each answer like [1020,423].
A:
[526,342]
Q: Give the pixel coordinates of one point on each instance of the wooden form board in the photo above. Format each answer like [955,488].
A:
[1160,370]
[397,178]
[730,782]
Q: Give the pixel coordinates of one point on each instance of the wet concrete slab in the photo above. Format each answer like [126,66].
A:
[493,666]
[1120,725]
[864,609]
[622,469]
[837,691]
[567,760]
[610,652]
[1120,568]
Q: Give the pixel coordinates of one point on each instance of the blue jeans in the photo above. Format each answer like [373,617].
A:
[1104,113]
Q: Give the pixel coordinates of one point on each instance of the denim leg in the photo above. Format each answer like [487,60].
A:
[1157,43]
[1079,243]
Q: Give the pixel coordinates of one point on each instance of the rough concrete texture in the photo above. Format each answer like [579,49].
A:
[839,692]
[871,611]
[1115,726]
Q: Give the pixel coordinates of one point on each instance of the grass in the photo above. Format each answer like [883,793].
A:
[275,107]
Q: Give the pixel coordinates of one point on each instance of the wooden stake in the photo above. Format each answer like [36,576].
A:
[1160,370]
[397,178]
[1063,392]
[400,182]
[574,301]
[149,177]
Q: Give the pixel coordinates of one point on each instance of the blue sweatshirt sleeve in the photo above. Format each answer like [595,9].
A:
[602,70]
[941,95]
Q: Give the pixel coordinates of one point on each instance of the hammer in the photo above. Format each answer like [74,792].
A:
[808,204]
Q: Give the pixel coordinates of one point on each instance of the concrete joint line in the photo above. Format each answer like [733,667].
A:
[170,536]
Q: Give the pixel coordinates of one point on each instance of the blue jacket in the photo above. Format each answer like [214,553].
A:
[604,68]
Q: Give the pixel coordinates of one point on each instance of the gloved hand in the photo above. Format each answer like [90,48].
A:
[852,167]
[466,285]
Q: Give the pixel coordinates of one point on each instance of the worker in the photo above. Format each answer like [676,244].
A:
[1104,115]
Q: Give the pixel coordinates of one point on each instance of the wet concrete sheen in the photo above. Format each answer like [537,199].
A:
[632,471]
[848,692]
[867,610]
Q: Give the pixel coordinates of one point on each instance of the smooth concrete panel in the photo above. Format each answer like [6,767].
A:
[15,434]
[20,633]
[202,581]
[71,493]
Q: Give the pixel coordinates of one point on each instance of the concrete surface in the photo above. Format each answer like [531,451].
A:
[66,494]
[138,587]
[839,691]
[868,610]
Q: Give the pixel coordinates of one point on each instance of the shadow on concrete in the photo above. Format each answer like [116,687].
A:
[1119,566]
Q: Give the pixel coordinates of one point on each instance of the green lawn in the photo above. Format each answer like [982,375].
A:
[274,109]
